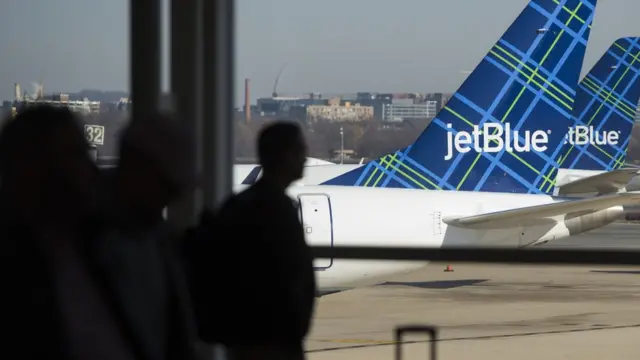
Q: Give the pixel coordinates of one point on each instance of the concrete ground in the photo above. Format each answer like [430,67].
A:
[493,311]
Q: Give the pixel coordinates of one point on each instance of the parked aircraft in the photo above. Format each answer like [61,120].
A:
[607,100]
[590,162]
[484,159]
[366,216]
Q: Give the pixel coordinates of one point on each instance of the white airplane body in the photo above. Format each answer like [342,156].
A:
[346,216]
[313,174]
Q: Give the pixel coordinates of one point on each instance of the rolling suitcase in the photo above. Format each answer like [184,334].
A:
[403,330]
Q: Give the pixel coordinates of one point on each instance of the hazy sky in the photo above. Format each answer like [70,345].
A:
[328,45]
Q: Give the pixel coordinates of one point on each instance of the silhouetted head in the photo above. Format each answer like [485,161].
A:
[153,168]
[44,163]
[282,151]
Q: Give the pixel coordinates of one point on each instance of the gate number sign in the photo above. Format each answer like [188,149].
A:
[94,134]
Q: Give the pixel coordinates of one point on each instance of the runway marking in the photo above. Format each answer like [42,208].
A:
[481,337]
[358,341]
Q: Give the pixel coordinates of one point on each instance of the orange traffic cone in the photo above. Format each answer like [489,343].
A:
[449,268]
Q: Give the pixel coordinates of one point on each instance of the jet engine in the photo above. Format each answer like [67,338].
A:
[578,223]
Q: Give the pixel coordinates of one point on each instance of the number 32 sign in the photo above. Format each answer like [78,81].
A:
[94,134]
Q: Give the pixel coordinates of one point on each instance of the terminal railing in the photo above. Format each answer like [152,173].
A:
[483,255]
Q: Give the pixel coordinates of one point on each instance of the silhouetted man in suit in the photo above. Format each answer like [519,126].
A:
[255,285]
[140,247]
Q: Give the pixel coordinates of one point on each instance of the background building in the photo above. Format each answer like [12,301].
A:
[23,99]
[360,106]
[281,106]
[395,112]
[337,112]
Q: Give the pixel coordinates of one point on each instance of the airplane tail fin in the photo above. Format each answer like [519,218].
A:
[508,119]
[605,110]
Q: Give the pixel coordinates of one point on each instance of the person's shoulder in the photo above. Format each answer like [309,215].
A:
[233,204]
[207,217]
[264,190]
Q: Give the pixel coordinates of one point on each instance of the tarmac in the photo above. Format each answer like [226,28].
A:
[493,311]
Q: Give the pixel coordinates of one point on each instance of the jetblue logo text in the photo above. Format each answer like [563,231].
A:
[493,140]
[583,135]
[497,137]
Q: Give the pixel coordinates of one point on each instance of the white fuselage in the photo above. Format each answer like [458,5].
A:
[359,216]
[314,174]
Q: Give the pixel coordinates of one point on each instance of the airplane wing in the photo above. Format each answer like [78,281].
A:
[604,183]
[540,213]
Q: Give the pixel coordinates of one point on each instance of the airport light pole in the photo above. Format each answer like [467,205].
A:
[341,145]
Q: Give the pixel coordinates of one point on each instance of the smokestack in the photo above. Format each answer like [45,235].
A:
[40,91]
[17,93]
[247,102]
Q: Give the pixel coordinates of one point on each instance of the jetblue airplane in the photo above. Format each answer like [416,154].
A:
[507,124]
[595,146]
[476,158]
[607,99]
[485,149]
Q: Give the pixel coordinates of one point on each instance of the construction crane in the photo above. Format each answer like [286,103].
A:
[274,94]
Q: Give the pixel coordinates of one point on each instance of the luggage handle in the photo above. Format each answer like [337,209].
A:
[402,330]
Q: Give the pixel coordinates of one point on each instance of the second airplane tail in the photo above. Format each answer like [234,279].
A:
[605,110]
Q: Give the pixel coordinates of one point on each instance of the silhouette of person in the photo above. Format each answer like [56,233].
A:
[152,170]
[56,302]
[253,280]
[45,146]
[141,247]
